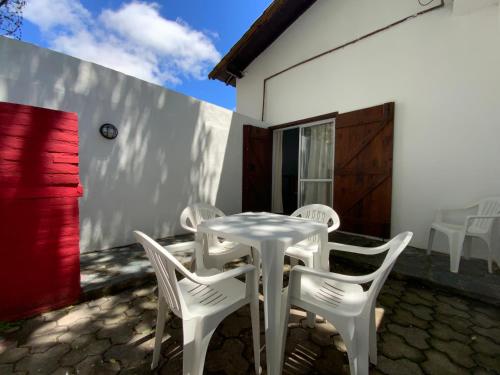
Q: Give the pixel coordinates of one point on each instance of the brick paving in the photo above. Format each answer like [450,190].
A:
[421,331]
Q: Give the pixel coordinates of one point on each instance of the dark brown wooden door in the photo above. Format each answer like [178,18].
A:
[363,170]
[257,168]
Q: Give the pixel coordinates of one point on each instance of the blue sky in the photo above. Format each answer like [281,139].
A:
[172,43]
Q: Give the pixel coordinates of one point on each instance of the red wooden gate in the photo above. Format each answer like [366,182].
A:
[39,219]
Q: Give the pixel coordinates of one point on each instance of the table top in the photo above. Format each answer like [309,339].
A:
[258,228]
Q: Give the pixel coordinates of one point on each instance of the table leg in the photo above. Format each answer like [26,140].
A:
[272,282]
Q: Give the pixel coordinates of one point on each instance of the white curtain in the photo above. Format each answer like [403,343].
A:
[317,163]
[277,194]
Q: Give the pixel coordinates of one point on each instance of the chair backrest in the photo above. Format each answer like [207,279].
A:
[196,213]
[321,214]
[164,265]
[486,206]
[395,247]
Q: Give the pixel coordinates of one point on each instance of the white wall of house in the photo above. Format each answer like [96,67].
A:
[442,70]
[171,149]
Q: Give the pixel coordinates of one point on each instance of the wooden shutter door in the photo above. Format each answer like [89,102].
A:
[363,170]
[257,168]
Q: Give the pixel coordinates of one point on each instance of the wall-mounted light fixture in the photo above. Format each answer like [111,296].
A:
[108,131]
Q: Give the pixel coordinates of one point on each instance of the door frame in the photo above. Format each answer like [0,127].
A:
[301,124]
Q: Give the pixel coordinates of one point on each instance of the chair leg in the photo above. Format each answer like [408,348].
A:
[467,247]
[160,327]
[311,317]
[254,313]
[284,333]
[490,257]
[196,340]
[362,344]
[456,241]
[432,232]
[373,338]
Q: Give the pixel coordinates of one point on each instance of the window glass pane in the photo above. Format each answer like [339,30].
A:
[317,152]
[316,192]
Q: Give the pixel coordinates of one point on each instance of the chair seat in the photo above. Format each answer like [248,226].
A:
[209,299]
[345,298]
[302,249]
[447,227]
[226,248]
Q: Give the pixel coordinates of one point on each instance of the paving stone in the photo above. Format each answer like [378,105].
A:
[76,313]
[75,340]
[48,328]
[394,347]
[420,311]
[492,333]
[456,302]
[6,369]
[492,312]
[13,355]
[40,344]
[446,309]
[234,327]
[438,363]
[406,318]
[457,351]
[414,336]
[228,358]
[118,333]
[94,365]
[85,326]
[389,300]
[490,363]
[445,332]
[425,293]
[332,362]
[42,363]
[397,367]
[414,298]
[127,354]
[456,323]
[482,371]
[484,320]
[485,346]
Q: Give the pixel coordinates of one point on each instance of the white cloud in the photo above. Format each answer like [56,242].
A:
[134,39]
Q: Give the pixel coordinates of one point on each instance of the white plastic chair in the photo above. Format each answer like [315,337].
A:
[201,302]
[306,249]
[460,225]
[341,300]
[215,253]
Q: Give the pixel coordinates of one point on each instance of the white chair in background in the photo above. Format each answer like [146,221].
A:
[341,300]
[214,253]
[201,302]
[460,225]
[305,250]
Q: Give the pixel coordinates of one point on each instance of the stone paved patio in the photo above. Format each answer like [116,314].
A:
[421,331]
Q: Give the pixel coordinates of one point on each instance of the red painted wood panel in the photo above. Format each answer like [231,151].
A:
[39,190]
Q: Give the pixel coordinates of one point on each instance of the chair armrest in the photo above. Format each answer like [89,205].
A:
[470,218]
[336,276]
[357,249]
[208,280]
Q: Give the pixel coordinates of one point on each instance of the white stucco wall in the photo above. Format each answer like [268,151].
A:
[441,69]
[171,149]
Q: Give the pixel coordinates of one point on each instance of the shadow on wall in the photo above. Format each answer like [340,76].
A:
[171,150]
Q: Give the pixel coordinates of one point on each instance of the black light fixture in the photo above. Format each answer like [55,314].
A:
[108,131]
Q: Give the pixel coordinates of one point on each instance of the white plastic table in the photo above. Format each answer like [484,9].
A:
[271,235]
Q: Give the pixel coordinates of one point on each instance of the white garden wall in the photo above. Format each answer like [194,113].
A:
[171,149]
[443,72]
